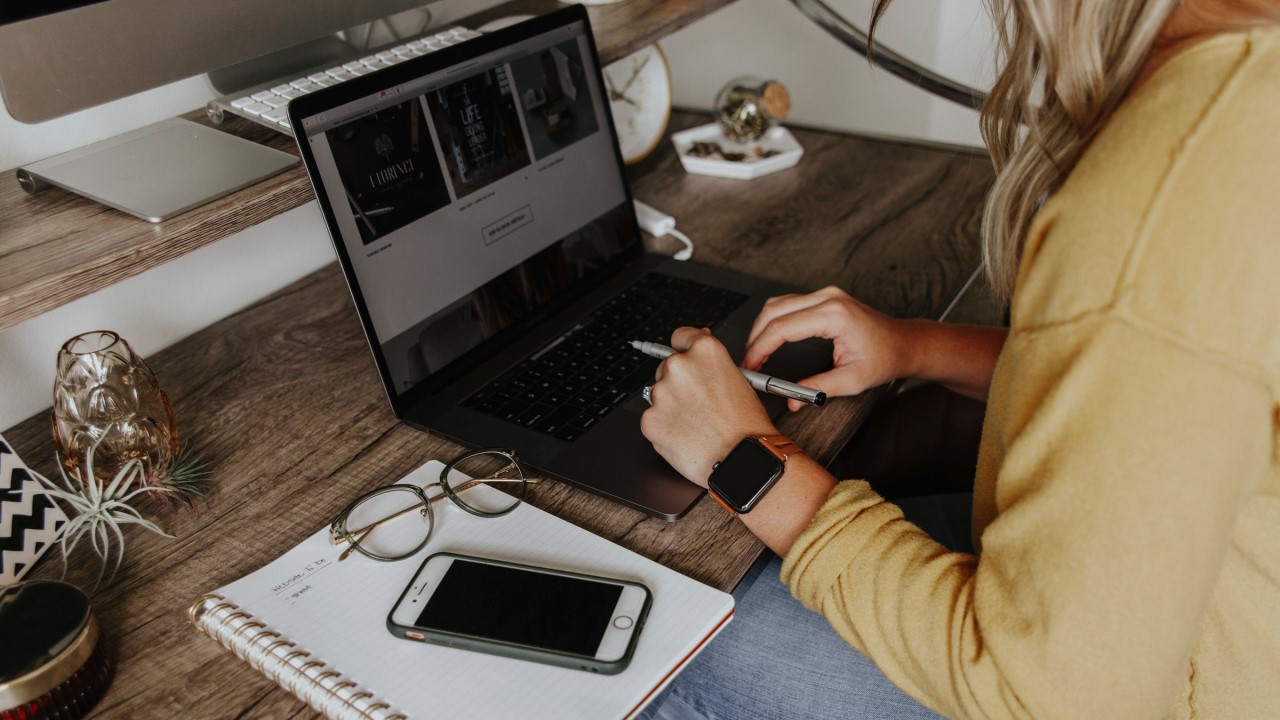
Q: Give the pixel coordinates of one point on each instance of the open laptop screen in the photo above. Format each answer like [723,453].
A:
[468,197]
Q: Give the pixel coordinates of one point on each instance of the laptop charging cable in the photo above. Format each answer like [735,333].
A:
[660,224]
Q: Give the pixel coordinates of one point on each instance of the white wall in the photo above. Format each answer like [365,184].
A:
[195,290]
[830,85]
[830,88]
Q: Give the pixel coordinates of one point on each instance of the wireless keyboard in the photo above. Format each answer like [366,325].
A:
[267,104]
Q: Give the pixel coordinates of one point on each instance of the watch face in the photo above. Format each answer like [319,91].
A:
[639,88]
[744,477]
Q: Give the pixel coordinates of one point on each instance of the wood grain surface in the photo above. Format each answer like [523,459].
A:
[57,246]
[283,399]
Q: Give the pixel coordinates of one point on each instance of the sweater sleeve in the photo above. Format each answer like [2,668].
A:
[1127,455]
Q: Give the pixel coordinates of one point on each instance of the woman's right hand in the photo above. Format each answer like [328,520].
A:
[870,347]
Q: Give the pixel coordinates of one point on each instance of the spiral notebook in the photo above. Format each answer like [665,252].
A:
[317,627]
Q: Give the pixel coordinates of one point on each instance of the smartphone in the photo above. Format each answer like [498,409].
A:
[520,611]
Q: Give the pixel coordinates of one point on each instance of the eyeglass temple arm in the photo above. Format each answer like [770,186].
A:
[929,81]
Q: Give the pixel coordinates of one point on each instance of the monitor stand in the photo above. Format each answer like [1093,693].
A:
[158,171]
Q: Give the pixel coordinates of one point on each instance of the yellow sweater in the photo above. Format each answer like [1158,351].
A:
[1127,502]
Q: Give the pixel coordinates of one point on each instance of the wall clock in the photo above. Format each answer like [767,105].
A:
[639,89]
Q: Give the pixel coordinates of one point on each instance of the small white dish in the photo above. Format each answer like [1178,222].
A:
[778,138]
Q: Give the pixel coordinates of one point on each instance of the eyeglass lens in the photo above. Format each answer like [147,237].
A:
[390,524]
[505,481]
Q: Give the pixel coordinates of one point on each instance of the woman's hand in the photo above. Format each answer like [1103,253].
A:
[702,406]
[869,346]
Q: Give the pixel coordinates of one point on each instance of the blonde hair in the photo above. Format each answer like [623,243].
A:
[1080,57]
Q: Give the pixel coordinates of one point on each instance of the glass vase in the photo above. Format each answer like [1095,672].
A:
[105,397]
[746,107]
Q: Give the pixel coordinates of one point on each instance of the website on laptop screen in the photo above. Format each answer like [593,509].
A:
[469,197]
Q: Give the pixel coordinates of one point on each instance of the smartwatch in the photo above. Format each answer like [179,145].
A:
[753,467]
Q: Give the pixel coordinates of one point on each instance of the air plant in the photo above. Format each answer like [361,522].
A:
[101,508]
[185,477]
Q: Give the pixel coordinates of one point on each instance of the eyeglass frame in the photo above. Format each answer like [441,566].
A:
[339,534]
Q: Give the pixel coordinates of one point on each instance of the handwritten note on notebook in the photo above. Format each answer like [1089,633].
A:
[336,611]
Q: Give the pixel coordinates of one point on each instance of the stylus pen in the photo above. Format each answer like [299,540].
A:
[759,381]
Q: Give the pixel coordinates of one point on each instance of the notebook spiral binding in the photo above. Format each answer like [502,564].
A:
[325,689]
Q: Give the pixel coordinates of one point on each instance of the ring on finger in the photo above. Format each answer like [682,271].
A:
[647,394]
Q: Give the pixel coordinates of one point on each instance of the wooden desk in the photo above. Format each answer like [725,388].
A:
[283,398]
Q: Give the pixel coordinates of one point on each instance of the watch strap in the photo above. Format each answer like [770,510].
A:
[780,446]
[720,501]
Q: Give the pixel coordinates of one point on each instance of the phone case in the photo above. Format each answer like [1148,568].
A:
[514,650]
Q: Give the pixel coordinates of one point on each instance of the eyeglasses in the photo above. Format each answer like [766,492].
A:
[394,522]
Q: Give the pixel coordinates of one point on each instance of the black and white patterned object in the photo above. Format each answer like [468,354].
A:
[30,522]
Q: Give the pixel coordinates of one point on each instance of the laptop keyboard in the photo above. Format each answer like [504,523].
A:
[567,387]
[268,104]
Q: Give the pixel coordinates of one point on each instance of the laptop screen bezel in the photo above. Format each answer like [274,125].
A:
[309,106]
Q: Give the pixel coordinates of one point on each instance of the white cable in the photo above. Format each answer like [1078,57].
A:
[687,252]
[660,224]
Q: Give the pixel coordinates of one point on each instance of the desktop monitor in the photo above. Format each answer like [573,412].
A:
[61,56]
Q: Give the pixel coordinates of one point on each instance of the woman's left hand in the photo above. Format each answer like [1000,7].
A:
[702,406]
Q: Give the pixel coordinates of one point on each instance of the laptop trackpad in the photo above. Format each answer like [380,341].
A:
[616,460]
[636,472]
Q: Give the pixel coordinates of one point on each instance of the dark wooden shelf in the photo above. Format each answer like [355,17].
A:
[56,247]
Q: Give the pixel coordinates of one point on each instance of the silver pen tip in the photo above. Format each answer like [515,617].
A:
[636,344]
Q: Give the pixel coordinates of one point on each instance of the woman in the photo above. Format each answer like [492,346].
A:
[1127,500]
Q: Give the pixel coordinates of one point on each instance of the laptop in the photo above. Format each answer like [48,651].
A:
[477,202]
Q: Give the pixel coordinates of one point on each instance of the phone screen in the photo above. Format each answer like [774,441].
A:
[530,608]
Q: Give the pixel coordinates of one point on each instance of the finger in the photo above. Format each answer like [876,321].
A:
[808,323]
[794,405]
[777,307]
[837,382]
[683,338]
[787,304]
[686,335]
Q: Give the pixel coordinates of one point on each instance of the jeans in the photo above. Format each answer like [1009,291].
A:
[778,659]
